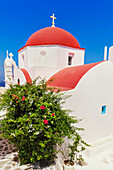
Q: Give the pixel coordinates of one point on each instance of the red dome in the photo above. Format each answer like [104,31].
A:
[52,36]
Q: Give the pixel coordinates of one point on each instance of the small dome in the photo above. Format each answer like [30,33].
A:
[52,36]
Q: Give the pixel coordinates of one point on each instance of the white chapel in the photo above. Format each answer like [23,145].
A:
[56,54]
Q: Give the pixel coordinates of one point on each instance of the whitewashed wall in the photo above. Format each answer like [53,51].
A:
[47,60]
[93,91]
[23,63]
[37,55]
[19,75]
[63,53]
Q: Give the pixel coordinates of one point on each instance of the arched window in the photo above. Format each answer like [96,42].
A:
[12,71]
[69,60]
[18,81]
[22,60]
[42,58]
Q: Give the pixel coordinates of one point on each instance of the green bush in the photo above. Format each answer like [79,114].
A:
[35,121]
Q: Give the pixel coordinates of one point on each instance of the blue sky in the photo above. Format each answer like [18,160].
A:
[91,22]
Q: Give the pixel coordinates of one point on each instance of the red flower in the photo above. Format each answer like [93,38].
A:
[23,98]
[13,95]
[45,121]
[29,117]
[53,114]
[42,107]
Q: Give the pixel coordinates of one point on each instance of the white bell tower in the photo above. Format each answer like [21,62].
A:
[9,67]
[8,71]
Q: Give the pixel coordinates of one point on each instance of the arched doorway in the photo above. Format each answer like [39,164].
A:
[18,81]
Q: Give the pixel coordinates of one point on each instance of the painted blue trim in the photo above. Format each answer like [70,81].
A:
[103,110]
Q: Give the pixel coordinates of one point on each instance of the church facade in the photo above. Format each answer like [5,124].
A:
[55,54]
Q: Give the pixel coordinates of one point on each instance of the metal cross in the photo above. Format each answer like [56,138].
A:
[53,22]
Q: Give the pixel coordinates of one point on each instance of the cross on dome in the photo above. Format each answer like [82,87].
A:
[11,55]
[53,22]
